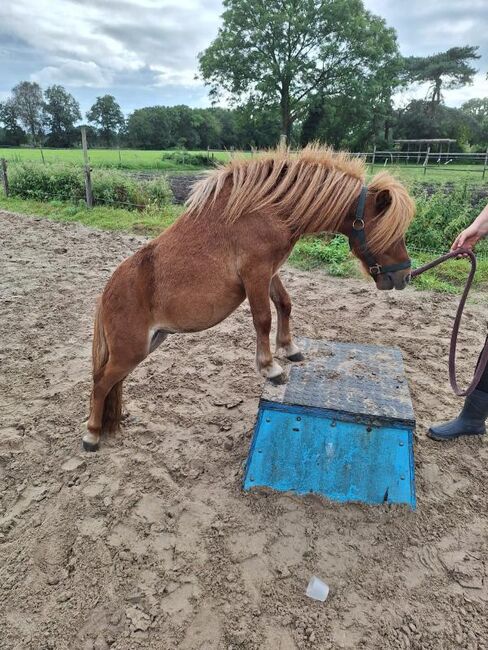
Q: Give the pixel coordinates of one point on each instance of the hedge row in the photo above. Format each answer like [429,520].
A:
[66,183]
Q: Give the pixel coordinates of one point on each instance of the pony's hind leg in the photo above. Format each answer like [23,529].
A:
[116,353]
[105,403]
[284,343]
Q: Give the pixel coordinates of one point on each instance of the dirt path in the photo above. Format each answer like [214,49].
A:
[150,543]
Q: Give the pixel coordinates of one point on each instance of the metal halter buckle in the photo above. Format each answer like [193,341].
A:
[360,222]
[375,270]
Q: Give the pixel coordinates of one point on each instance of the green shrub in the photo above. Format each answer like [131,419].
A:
[441,216]
[331,252]
[66,183]
[46,182]
[193,159]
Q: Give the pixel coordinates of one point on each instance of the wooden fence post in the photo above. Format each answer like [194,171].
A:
[4,176]
[88,185]
[485,163]
[426,161]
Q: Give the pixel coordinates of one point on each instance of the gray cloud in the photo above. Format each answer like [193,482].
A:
[108,43]
[428,26]
[74,73]
[145,50]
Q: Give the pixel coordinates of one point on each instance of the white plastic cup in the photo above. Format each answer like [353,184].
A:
[317,589]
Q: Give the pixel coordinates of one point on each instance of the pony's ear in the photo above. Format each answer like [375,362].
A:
[382,201]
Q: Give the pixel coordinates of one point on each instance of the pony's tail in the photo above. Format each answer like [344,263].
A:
[112,408]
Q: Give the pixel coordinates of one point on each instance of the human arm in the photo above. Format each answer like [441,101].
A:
[476,231]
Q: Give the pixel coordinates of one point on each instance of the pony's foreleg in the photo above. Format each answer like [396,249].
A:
[257,290]
[282,302]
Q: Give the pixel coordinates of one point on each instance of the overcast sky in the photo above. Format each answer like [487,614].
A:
[144,51]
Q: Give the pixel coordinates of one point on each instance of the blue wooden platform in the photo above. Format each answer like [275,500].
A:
[342,427]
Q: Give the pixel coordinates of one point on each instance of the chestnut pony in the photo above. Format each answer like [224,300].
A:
[241,223]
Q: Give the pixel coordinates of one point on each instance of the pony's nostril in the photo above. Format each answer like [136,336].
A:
[408,278]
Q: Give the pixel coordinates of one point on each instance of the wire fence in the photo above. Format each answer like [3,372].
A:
[422,157]
[138,206]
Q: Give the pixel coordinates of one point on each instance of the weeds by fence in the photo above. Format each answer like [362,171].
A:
[69,183]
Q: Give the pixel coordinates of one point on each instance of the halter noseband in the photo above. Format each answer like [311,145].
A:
[358,233]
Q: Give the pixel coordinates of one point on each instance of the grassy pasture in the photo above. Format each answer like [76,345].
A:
[134,159]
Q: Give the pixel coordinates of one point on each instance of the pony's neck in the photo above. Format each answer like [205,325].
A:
[338,220]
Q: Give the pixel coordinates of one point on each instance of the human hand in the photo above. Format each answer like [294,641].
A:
[468,237]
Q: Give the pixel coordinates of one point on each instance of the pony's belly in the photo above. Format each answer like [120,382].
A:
[195,313]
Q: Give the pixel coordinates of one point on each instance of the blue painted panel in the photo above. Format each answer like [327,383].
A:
[294,450]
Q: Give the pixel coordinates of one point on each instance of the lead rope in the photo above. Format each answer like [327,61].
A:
[483,360]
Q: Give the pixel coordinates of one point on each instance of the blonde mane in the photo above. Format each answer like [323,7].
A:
[312,191]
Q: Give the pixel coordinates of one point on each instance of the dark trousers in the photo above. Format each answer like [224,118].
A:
[483,382]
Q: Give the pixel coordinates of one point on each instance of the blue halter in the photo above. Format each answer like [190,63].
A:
[358,234]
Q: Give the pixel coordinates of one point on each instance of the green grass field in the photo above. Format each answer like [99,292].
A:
[133,159]
[123,158]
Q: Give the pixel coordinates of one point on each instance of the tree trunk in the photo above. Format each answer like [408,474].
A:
[436,97]
[286,119]
[32,128]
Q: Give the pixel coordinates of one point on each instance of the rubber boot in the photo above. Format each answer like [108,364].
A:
[470,422]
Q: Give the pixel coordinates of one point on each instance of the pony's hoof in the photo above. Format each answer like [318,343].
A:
[90,446]
[298,356]
[90,442]
[279,380]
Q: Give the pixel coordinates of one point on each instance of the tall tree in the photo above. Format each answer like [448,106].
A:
[283,52]
[478,110]
[257,126]
[357,119]
[150,128]
[13,134]
[108,116]
[61,111]
[415,121]
[443,71]
[208,127]
[28,102]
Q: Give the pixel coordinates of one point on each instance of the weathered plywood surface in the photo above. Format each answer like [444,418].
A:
[354,379]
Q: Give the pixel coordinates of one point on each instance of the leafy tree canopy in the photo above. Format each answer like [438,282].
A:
[107,115]
[477,107]
[445,70]
[416,121]
[61,111]
[283,52]
[12,135]
[28,103]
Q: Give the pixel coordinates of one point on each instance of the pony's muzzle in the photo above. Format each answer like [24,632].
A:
[397,280]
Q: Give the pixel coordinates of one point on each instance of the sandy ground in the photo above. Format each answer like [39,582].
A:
[151,543]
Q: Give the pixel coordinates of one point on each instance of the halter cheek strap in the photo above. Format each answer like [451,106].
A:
[358,234]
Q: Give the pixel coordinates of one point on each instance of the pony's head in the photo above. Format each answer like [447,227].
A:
[376,230]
